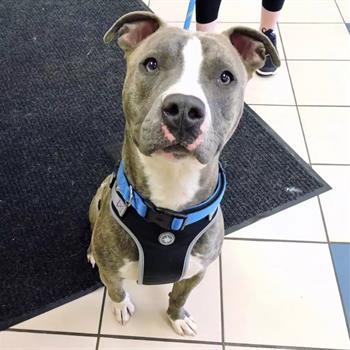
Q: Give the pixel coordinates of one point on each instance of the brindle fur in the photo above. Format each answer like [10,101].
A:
[111,246]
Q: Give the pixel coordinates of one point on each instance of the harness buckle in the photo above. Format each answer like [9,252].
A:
[164,217]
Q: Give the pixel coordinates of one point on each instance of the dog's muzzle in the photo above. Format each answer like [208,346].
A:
[182,115]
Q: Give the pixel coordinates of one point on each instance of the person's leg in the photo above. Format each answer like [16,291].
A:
[207,14]
[207,27]
[270,11]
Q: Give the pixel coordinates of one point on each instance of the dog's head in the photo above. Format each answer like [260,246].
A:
[183,93]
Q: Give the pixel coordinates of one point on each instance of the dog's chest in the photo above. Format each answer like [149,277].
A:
[130,269]
[171,184]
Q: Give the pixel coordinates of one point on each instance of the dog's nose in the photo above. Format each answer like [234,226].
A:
[182,113]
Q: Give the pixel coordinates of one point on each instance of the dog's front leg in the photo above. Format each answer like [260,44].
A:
[180,319]
[122,306]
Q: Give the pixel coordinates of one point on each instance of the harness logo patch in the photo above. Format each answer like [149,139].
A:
[119,204]
[166,238]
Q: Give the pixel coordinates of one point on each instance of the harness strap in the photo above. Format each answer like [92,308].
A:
[169,219]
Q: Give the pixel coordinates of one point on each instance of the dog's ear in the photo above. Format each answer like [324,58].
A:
[132,28]
[253,46]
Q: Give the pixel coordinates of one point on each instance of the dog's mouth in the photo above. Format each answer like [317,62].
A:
[176,151]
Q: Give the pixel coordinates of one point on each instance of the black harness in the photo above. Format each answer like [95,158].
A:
[164,238]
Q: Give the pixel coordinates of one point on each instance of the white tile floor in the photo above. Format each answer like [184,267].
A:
[275,286]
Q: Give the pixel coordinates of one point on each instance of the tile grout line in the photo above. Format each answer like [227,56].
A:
[113,336]
[101,318]
[222,303]
[308,59]
[167,340]
[274,240]
[341,15]
[318,197]
[279,347]
[316,59]
[325,23]
[347,322]
[39,331]
[330,164]
[269,104]
[342,106]
[281,240]
[333,265]
[294,95]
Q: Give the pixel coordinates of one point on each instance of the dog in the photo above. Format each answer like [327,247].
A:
[158,219]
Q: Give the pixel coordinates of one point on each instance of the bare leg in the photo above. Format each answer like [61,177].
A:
[207,14]
[207,27]
[268,19]
[180,319]
[123,308]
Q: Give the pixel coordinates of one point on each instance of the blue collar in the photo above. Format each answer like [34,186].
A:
[169,219]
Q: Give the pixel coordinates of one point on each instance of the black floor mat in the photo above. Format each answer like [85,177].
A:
[60,104]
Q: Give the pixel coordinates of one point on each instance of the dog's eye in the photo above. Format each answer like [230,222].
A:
[226,78]
[150,64]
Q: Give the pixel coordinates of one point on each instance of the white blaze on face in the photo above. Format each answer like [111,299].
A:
[188,82]
[173,183]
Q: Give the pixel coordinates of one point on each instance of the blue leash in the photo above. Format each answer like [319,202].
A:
[189,14]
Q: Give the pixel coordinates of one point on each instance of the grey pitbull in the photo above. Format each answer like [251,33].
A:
[182,99]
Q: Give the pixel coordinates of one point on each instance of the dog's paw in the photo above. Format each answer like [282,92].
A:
[186,326]
[91,259]
[123,310]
